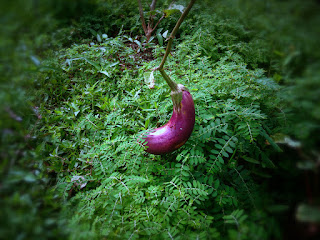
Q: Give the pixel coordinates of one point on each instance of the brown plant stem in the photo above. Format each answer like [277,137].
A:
[148,29]
[150,23]
[162,17]
[153,5]
[144,26]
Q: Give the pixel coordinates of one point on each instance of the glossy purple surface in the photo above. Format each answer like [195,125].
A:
[176,132]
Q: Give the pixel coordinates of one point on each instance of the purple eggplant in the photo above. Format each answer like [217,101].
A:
[177,131]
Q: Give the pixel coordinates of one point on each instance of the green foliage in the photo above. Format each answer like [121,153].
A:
[29,207]
[274,35]
[71,162]
[99,105]
[302,95]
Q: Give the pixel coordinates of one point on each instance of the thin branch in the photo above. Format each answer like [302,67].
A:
[173,86]
[159,22]
[142,17]
[174,31]
[153,5]
[171,83]
[182,17]
[152,8]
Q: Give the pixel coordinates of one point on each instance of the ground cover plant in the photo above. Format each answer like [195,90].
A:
[100,149]
[80,170]
[133,194]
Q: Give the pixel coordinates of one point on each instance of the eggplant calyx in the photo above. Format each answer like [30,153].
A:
[176,96]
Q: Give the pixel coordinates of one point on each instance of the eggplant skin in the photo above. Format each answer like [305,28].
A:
[176,131]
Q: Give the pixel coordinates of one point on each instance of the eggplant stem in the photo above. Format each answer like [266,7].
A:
[171,83]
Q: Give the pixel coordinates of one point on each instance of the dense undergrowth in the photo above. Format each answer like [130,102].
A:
[71,161]
[98,112]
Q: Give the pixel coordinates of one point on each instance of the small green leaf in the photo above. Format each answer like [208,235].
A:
[105,73]
[165,34]
[228,149]
[95,64]
[138,43]
[251,160]
[225,154]
[185,173]
[147,123]
[217,184]
[99,38]
[159,37]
